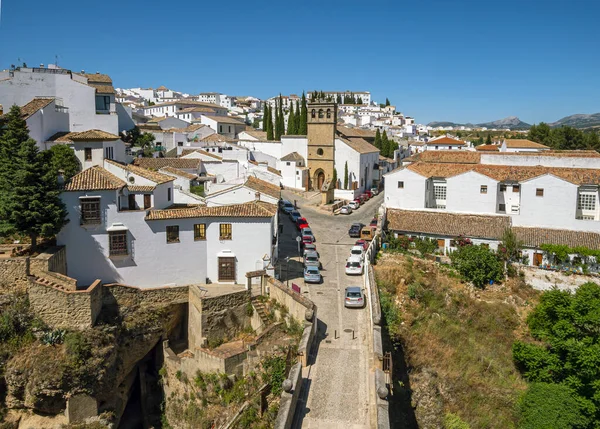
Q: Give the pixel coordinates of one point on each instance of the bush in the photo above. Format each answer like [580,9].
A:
[553,406]
[274,373]
[453,421]
[477,264]
[78,348]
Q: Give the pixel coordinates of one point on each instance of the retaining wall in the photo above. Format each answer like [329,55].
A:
[298,306]
[287,404]
[123,296]
[14,271]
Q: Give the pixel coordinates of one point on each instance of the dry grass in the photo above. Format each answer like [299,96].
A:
[463,335]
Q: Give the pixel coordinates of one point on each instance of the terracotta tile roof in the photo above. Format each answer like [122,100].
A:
[355,132]
[94,179]
[217,138]
[447,224]
[98,78]
[212,155]
[360,145]
[158,163]
[196,109]
[157,119]
[153,176]
[134,188]
[553,153]
[523,144]
[93,135]
[162,88]
[445,140]
[270,169]
[61,137]
[225,120]
[102,89]
[34,105]
[535,237]
[260,135]
[178,172]
[250,209]
[263,187]
[487,148]
[451,156]
[294,156]
[426,169]
[185,103]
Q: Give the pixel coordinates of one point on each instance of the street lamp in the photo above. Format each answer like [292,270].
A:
[287,264]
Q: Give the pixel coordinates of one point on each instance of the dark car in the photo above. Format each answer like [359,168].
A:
[373,223]
[354,230]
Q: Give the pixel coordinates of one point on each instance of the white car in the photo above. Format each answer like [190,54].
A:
[354,266]
[353,205]
[357,251]
[346,210]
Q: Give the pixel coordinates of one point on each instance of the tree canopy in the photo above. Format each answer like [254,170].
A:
[564,138]
[144,141]
[62,159]
[477,264]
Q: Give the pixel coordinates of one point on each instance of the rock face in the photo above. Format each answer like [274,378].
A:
[427,400]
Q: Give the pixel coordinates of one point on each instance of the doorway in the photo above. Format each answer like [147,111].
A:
[538,258]
[227,269]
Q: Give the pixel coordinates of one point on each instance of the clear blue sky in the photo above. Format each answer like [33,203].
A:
[436,60]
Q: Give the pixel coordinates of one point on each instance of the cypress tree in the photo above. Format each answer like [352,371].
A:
[488,140]
[335,178]
[339,99]
[346,175]
[303,130]
[298,119]
[387,102]
[291,127]
[360,100]
[280,122]
[269,120]
[378,140]
[265,114]
[29,201]
[385,145]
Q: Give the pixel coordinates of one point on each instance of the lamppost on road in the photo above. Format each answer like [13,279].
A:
[287,265]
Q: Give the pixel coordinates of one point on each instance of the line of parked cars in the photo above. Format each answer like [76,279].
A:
[358,201]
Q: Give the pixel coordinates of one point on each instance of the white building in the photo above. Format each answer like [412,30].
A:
[224,125]
[365,96]
[521,145]
[547,197]
[171,108]
[45,117]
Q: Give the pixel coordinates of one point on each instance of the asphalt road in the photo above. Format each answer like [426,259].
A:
[336,388]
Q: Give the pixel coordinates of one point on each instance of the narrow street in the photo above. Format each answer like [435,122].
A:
[336,390]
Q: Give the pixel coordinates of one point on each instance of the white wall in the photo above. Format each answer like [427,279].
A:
[293,144]
[463,193]
[411,197]
[273,149]
[45,123]
[547,161]
[237,196]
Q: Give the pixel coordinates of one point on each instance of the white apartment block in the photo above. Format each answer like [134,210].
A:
[172,108]
[365,96]
[547,197]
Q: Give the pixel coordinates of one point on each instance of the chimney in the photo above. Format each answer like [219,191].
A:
[257,196]
[82,71]
[41,66]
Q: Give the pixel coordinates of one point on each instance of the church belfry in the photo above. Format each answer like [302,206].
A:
[321,124]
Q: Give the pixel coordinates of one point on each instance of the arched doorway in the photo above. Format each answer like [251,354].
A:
[319,179]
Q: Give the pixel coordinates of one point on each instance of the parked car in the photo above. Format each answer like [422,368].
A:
[308,231]
[346,210]
[280,203]
[369,194]
[354,297]
[367,233]
[301,223]
[355,229]
[312,275]
[310,247]
[311,259]
[354,204]
[374,191]
[295,215]
[364,197]
[363,243]
[307,239]
[357,251]
[354,266]
[288,207]
[373,223]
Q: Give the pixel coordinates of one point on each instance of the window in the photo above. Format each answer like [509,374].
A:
[501,207]
[514,209]
[328,113]
[108,152]
[312,113]
[147,201]
[320,152]
[88,153]
[220,128]
[102,102]
[436,148]
[179,143]
[132,202]
[287,163]
[229,128]
[539,192]
[117,243]
[173,234]
[483,189]
[320,113]
[515,188]
[168,194]
[502,188]
[199,231]
[439,192]
[90,211]
[225,231]
[400,185]
[586,202]
[226,269]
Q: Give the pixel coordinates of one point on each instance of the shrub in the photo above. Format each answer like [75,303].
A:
[274,373]
[477,264]
[453,421]
[53,337]
[78,348]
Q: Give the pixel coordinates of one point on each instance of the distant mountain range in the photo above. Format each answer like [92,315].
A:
[514,123]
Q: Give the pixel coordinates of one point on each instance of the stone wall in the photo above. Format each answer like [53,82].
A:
[14,271]
[65,309]
[301,308]
[123,296]
[53,259]
[13,274]
[224,316]
[287,404]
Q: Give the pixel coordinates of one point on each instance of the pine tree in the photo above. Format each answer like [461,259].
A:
[269,120]
[360,100]
[303,130]
[291,127]
[378,140]
[62,160]
[387,102]
[346,175]
[265,114]
[29,199]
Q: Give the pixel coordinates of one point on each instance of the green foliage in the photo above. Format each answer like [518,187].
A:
[291,129]
[568,325]
[390,312]
[559,253]
[488,139]
[29,193]
[274,373]
[249,309]
[565,137]
[62,158]
[509,248]
[16,326]
[248,418]
[197,189]
[178,375]
[54,337]
[387,101]
[145,141]
[78,347]
[453,421]
[346,175]
[303,129]
[377,143]
[477,264]
[425,245]
[294,328]
[554,406]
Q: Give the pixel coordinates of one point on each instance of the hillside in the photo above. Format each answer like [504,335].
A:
[578,121]
[453,345]
[511,122]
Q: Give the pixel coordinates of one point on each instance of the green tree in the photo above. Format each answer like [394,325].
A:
[346,175]
[291,128]
[279,119]
[385,145]
[488,139]
[477,264]
[509,248]
[387,101]
[335,178]
[303,129]
[339,99]
[62,158]
[298,119]
[269,121]
[136,138]
[29,201]
[377,143]
[360,100]
[554,406]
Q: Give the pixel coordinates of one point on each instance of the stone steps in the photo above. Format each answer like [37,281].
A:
[259,306]
[45,282]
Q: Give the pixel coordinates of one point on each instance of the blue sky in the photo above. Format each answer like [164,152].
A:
[435,60]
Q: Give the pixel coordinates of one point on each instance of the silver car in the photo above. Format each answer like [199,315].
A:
[311,259]
[312,275]
[354,297]
[346,210]
[310,247]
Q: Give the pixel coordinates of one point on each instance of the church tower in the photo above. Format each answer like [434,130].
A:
[321,124]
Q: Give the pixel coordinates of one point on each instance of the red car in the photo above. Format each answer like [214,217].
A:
[358,201]
[301,223]
[307,239]
[373,223]
[364,197]
[362,243]
[369,193]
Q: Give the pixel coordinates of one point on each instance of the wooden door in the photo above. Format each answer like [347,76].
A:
[131,201]
[538,259]
[227,269]
[147,201]
[441,243]
[321,180]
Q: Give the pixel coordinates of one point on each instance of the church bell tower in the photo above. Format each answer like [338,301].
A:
[321,124]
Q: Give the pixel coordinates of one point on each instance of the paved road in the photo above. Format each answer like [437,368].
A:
[337,383]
